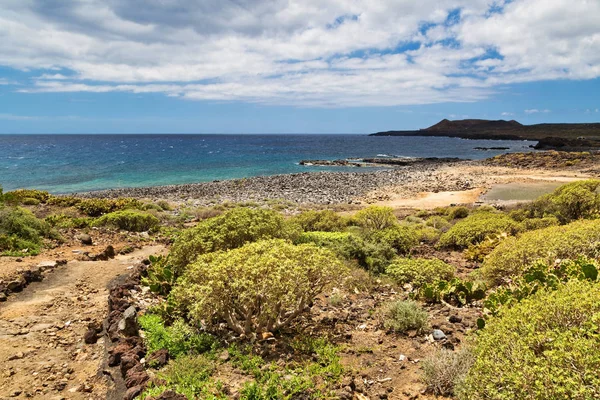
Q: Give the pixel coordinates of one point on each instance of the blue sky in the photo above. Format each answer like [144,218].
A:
[312,66]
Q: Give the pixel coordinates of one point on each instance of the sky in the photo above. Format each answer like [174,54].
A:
[294,66]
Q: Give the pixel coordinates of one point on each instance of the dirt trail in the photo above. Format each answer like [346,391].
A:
[42,351]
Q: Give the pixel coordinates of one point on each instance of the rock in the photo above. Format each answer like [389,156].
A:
[224,356]
[136,376]
[33,275]
[128,361]
[455,319]
[46,265]
[3,297]
[17,285]
[170,395]
[128,325]
[438,334]
[160,358]
[90,336]
[133,392]
[85,239]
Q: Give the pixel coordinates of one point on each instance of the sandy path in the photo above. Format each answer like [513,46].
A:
[41,331]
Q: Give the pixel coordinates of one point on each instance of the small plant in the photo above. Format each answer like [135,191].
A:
[129,220]
[478,252]
[321,221]
[419,271]
[260,287]
[21,233]
[446,370]
[456,292]
[438,222]
[401,238]
[179,339]
[160,276]
[457,212]
[570,202]
[402,316]
[376,218]
[26,197]
[476,227]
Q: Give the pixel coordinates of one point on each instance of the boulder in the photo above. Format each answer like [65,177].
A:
[158,359]
[128,325]
[85,239]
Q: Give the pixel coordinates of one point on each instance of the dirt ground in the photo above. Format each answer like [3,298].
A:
[41,329]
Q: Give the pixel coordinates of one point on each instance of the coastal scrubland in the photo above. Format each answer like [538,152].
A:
[279,300]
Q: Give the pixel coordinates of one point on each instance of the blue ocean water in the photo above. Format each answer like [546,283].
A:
[75,163]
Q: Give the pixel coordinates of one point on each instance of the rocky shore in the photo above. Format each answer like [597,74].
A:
[306,188]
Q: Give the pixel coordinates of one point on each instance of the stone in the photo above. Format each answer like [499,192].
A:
[128,325]
[133,392]
[170,395]
[85,239]
[90,336]
[3,297]
[455,319]
[17,285]
[46,265]
[136,376]
[438,334]
[128,361]
[160,358]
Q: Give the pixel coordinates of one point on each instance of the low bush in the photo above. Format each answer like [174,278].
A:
[546,347]
[64,201]
[419,271]
[457,212]
[478,252]
[402,316]
[230,230]
[541,276]
[347,245]
[24,196]
[513,255]
[189,376]
[179,339]
[260,287]
[427,234]
[375,218]
[456,292]
[21,232]
[438,222]
[321,221]
[129,220]
[98,207]
[63,221]
[476,227]
[446,370]
[570,202]
[531,224]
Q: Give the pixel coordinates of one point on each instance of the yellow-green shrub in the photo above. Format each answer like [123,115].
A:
[129,220]
[419,271]
[476,227]
[513,255]
[230,230]
[400,238]
[546,347]
[572,201]
[438,222]
[20,230]
[401,316]
[376,217]
[19,196]
[344,244]
[321,221]
[98,207]
[260,287]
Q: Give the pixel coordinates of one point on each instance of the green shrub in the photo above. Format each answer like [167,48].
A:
[20,196]
[546,347]
[189,375]
[98,207]
[531,224]
[160,276]
[63,221]
[376,217]
[402,316]
[427,234]
[513,255]
[476,227]
[570,202]
[64,201]
[345,244]
[445,370]
[456,292]
[478,252]
[419,271]
[401,238]
[541,276]
[179,339]
[129,220]
[230,230]
[438,222]
[321,221]
[260,287]
[20,230]
[457,212]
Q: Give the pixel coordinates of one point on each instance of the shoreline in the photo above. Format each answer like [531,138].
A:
[371,187]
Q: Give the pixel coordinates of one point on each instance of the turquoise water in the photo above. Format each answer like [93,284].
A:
[72,163]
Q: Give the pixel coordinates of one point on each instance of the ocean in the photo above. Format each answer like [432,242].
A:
[76,163]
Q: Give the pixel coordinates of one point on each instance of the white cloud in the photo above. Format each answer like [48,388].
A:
[12,117]
[536,111]
[325,53]
[507,114]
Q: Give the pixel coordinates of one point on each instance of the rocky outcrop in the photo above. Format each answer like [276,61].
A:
[22,279]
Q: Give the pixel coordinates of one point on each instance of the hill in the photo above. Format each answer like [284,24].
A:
[563,136]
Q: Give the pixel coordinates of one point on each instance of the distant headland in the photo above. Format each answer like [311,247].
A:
[549,136]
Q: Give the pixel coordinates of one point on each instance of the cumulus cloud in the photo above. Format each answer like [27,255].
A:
[323,53]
